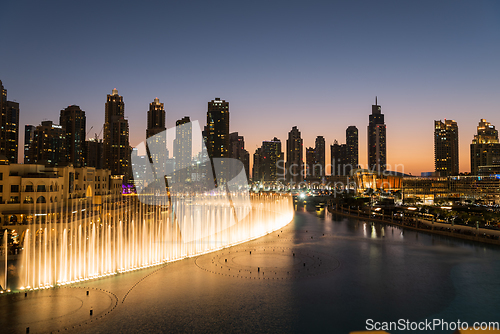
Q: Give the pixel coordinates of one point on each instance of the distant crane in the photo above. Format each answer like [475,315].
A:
[86,136]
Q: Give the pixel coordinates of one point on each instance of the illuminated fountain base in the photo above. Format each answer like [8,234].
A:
[92,241]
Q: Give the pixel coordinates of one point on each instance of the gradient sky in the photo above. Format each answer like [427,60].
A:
[315,64]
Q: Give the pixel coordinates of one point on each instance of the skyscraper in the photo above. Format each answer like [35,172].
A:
[73,120]
[446,147]
[345,157]
[485,147]
[294,157]
[237,151]
[267,160]
[116,136]
[29,133]
[377,156]
[156,127]
[9,127]
[256,168]
[352,159]
[183,149]
[310,162]
[338,158]
[218,129]
[319,153]
[48,146]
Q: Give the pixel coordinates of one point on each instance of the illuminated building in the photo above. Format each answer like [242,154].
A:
[29,132]
[344,157]
[73,120]
[183,149]
[9,127]
[446,147]
[25,187]
[319,155]
[377,155]
[310,161]
[294,157]
[116,136]
[218,129]
[266,161]
[485,147]
[352,159]
[452,188]
[48,146]
[156,127]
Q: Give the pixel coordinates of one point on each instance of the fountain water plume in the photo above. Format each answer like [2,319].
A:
[86,241]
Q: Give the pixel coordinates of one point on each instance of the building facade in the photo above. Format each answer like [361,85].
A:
[446,147]
[73,120]
[156,137]
[377,150]
[294,157]
[29,133]
[485,147]
[48,146]
[9,127]
[218,129]
[116,136]
[29,188]
[237,151]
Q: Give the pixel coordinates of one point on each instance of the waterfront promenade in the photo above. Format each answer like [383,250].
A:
[470,233]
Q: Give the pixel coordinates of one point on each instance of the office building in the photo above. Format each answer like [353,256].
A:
[294,157]
[29,132]
[319,154]
[73,120]
[377,155]
[446,147]
[485,147]
[9,127]
[217,130]
[156,136]
[237,151]
[116,136]
[48,146]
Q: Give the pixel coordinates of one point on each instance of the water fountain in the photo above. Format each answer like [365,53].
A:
[87,241]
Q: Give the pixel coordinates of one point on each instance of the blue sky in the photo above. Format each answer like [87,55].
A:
[317,65]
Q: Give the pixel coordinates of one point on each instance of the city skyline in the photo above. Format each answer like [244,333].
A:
[326,69]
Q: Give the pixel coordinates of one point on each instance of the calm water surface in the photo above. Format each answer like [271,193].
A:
[369,271]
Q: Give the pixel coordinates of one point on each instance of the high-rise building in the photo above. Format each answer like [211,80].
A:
[218,128]
[29,133]
[73,120]
[485,147]
[352,159]
[183,149]
[116,136]
[156,127]
[237,151]
[94,153]
[9,127]
[344,157]
[446,147]
[294,157]
[310,162]
[338,157]
[377,155]
[48,146]
[267,159]
[319,154]
[256,168]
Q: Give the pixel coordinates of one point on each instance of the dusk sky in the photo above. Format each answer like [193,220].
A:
[316,65]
